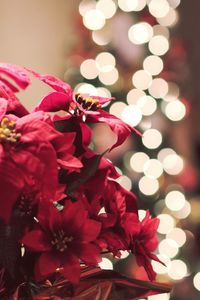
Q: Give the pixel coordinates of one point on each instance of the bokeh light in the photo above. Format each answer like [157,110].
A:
[100,37]
[153,168]
[164,296]
[85,88]
[175,110]
[133,96]
[109,77]
[166,224]
[168,247]
[196,281]
[86,5]
[94,19]
[158,88]
[106,264]
[175,200]
[148,186]
[170,19]
[158,45]
[142,79]
[184,212]
[131,115]
[107,7]
[177,269]
[158,267]
[173,164]
[116,108]
[178,235]
[140,33]
[147,104]
[138,160]
[153,64]
[89,69]
[131,5]
[161,30]
[105,62]
[125,182]
[158,8]
[152,138]
[163,153]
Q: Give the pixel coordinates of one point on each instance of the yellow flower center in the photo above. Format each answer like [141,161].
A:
[8,132]
[88,102]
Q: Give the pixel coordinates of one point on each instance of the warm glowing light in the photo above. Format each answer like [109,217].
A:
[140,33]
[131,115]
[106,264]
[147,104]
[86,5]
[177,269]
[168,247]
[85,88]
[158,267]
[153,64]
[196,281]
[133,96]
[116,108]
[184,212]
[153,168]
[158,8]
[94,19]
[125,182]
[105,62]
[142,79]
[124,254]
[158,88]
[141,214]
[89,69]
[148,186]
[175,110]
[110,77]
[158,45]
[173,92]
[170,19]
[107,7]
[167,223]
[152,138]
[159,297]
[174,3]
[163,153]
[138,160]
[175,200]
[131,5]
[103,92]
[173,164]
[178,235]
[100,37]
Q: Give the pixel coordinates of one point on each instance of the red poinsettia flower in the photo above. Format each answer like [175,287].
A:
[7,90]
[81,105]
[64,238]
[26,156]
[142,240]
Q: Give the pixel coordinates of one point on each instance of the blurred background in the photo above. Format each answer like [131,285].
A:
[146,54]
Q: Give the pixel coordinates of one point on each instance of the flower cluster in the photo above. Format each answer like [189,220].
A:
[59,199]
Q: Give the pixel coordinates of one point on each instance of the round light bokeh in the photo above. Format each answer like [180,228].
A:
[147,104]
[142,79]
[152,138]
[133,96]
[153,64]
[173,164]
[110,77]
[138,160]
[170,19]
[153,168]
[85,88]
[125,182]
[100,37]
[159,8]
[175,110]
[107,7]
[116,108]
[196,281]
[178,235]
[105,62]
[158,267]
[131,5]
[158,88]
[89,69]
[148,186]
[167,223]
[168,247]
[131,115]
[158,45]
[106,264]
[175,200]
[177,270]
[140,33]
[94,19]
[86,5]
[164,296]
[163,153]
[184,212]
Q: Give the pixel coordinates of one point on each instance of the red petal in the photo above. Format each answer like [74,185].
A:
[54,82]
[36,240]
[71,268]
[46,265]
[90,230]
[18,74]
[88,253]
[54,101]
[3,107]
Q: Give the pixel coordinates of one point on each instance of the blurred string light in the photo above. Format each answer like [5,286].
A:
[141,101]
